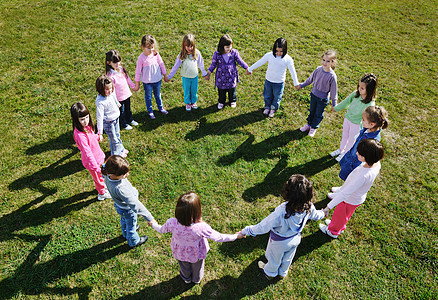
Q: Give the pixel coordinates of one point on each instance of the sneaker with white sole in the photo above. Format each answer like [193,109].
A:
[266,111]
[336,189]
[127,127]
[312,132]
[143,240]
[163,111]
[151,115]
[233,104]
[331,195]
[327,221]
[134,123]
[271,113]
[220,106]
[188,107]
[335,153]
[261,266]
[194,106]
[339,157]
[324,229]
[104,196]
[305,128]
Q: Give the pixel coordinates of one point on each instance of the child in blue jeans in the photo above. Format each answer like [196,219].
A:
[125,196]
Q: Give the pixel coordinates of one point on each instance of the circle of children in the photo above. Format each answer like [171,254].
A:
[359,152]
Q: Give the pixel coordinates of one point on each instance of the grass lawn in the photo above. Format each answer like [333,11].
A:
[58,241]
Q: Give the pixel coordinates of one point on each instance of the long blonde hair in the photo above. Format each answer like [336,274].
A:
[188,40]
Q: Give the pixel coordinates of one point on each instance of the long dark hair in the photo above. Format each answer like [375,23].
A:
[225,40]
[114,57]
[370,81]
[79,110]
[280,43]
[298,192]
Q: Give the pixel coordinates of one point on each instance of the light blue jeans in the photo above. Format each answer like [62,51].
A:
[148,89]
[272,92]
[128,221]
[190,88]
[112,129]
[280,255]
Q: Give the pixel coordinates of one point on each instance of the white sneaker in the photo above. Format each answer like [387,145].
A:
[220,106]
[312,132]
[134,123]
[271,113]
[324,229]
[305,128]
[266,111]
[336,189]
[103,196]
[327,221]
[127,127]
[331,195]
[339,157]
[335,153]
[233,104]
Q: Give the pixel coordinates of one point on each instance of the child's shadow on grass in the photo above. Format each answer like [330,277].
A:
[175,115]
[33,278]
[227,126]
[64,141]
[275,180]
[250,152]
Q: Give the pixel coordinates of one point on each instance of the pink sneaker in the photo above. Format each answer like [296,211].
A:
[266,111]
[312,132]
[233,104]
[194,106]
[163,111]
[272,113]
[151,115]
[188,107]
[305,128]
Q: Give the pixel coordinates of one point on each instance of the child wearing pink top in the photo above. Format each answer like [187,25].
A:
[189,237]
[117,73]
[88,143]
[150,70]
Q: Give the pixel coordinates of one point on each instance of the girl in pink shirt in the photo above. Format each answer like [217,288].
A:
[117,72]
[88,143]
[189,237]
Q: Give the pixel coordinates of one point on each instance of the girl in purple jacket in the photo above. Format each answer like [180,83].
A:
[225,59]
[88,143]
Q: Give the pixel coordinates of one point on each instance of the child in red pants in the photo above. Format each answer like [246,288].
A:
[354,190]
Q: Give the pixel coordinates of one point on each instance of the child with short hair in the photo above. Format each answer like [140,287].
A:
[125,196]
[278,62]
[225,61]
[374,119]
[107,112]
[190,59]
[150,70]
[189,237]
[285,225]
[355,104]
[355,188]
[324,84]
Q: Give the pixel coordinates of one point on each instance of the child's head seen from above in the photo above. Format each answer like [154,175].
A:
[375,118]
[80,117]
[298,192]
[115,165]
[188,209]
[371,150]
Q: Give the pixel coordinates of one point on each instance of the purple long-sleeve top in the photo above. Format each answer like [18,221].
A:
[324,83]
[189,243]
[227,75]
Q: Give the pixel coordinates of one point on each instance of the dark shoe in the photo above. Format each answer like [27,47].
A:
[143,240]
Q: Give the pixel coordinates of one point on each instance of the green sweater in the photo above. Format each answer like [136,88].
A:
[355,107]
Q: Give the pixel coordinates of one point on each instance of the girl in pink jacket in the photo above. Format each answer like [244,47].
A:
[88,143]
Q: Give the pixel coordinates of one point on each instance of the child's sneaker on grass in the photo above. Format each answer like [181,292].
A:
[266,111]
[103,196]
[127,127]
[134,123]
[271,113]
[188,107]
[305,128]
[324,229]
[151,115]
[143,240]
[125,153]
[335,153]
[194,106]
[312,132]
[233,104]
[261,266]
[339,157]
[220,106]
[163,111]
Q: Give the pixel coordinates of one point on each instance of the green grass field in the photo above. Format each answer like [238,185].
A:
[57,241]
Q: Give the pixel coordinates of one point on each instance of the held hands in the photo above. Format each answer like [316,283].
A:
[298,87]
[248,72]
[136,87]
[99,138]
[152,222]
[326,211]
[333,109]
[240,235]
[166,78]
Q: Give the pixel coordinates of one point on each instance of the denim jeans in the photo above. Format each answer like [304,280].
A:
[112,129]
[316,111]
[190,88]
[125,113]
[280,255]
[156,88]
[272,92]
[128,221]
[223,95]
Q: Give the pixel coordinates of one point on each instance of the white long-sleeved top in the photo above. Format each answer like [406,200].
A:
[356,186]
[107,109]
[276,72]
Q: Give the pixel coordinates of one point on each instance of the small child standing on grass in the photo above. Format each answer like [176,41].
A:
[355,103]
[225,61]
[190,59]
[107,111]
[285,225]
[278,62]
[324,84]
[125,196]
[117,72]
[88,143]
[150,70]
[189,237]
[374,119]
[354,190]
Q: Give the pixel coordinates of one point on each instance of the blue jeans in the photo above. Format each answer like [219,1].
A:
[190,88]
[156,88]
[112,129]
[125,113]
[272,92]
[316,111]
[280,255]
[128,221]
